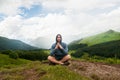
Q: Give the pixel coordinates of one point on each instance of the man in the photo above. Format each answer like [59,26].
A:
[59,52]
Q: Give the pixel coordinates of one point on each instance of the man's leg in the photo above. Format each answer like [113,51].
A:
[52,59]
[65,58]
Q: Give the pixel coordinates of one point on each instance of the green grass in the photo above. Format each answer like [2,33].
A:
[61,73]
[98,59]
[44,72]
[101,38]
[95,58]
[6,61]
[21,69]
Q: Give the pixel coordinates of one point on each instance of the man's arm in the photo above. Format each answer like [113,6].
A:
[53,49]
[65,50]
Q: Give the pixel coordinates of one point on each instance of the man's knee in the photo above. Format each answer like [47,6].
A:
[50,58]
[68,56]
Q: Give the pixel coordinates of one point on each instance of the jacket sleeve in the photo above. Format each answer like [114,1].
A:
[65,49]
[52,50]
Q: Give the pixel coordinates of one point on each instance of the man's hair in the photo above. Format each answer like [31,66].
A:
[57,36]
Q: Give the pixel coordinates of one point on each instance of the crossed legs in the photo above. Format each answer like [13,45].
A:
[65,58]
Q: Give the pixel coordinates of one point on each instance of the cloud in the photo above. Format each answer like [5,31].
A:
[73,19]
[105,22]
[78,5]
[10,26]
[11,7]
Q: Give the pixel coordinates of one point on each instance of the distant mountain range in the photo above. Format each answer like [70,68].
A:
[41,42]
[12,44]
[47,41]
[110,35]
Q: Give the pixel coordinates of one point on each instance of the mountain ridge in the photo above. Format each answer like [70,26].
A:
[109,35]
[13,44]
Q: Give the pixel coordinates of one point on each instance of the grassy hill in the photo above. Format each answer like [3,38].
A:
[5,61]
[105,44]
[11,44]
[20,69]
[106,49]
[101,38]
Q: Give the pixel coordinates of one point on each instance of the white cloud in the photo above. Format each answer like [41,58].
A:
[10,26]
[78,5]
[105,22]
[11,7]
[73,20]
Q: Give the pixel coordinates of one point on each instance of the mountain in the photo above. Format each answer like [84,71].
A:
[110,35]
[46,42]
[42,42]
[12,44]
[106,49]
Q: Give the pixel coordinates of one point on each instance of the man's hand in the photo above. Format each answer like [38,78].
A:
[59,45]
[56,47]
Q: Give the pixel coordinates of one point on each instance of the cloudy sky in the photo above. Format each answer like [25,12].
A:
[38,21]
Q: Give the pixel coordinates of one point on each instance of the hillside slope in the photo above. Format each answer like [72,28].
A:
[12,44]
[6,61]
[19,69]
[96,70]
[101,38]
[107,49]
[77,70]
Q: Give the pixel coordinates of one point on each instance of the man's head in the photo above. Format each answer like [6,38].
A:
[58,38]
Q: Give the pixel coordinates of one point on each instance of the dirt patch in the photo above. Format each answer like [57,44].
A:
[96,71]
[26,74]
[32,74]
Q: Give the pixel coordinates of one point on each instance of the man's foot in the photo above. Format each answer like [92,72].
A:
[61,63]
[66,63]
[51,63]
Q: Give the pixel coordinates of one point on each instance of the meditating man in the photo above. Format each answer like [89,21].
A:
[59,52]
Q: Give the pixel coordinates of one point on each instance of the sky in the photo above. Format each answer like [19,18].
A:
[37,22]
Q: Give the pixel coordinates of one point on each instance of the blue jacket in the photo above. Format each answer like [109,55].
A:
[59,52]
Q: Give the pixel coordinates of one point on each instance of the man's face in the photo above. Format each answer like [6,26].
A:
[58,38]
